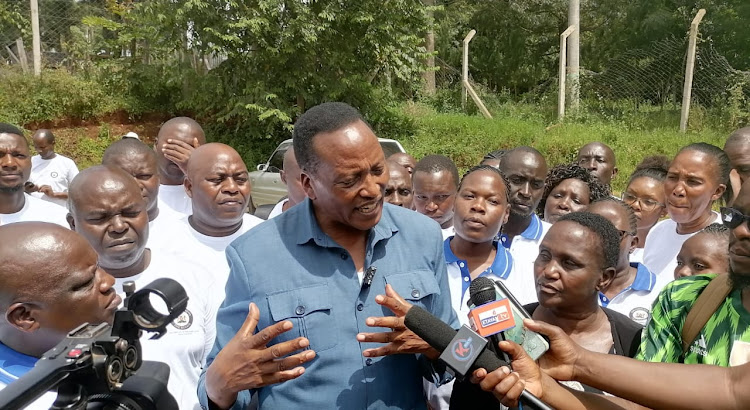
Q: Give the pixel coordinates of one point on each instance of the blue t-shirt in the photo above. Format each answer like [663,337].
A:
[13,364]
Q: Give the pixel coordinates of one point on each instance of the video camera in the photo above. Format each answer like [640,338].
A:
[97,366]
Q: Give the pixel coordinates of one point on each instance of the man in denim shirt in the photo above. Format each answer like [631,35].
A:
[313,278]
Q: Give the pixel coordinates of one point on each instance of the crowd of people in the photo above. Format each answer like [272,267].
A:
[306,309]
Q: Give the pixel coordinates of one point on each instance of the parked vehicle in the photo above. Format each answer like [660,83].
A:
[266,181]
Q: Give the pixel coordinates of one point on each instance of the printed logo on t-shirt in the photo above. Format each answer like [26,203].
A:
[699,346]
[53,174]
[640,315]
[183,321]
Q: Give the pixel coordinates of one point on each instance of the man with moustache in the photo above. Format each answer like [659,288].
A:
[435,182]
[15,168]
[725,338]
[290,176]
[309,279]
[525,169]
[108,210]
[50,283]
[138,160]
[175,142]
[598,158]
[218,185]
[399,190]
[51,172]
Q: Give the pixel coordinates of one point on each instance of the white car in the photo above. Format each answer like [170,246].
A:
[267,187]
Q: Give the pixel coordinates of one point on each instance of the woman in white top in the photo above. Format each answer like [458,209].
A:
[697,177]
[645,194]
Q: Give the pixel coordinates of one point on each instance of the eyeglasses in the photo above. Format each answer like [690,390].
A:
[646,204]
[733,218]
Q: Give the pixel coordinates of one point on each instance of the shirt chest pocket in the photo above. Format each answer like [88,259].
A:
[418,287]
[309,309]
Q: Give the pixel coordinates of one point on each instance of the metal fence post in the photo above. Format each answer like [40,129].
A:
[687,89]
[563,64]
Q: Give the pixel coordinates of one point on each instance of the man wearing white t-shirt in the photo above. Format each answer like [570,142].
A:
[290,176]
[49,285]
[107,208]
[51,172]
[175,142]
[525,170]
[138,160]
[218,184]
[15,168]
[435,181]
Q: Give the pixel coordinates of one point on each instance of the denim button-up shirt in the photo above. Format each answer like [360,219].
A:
[293,271]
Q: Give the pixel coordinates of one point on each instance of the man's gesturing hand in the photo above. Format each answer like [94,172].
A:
[507,386]
[401,339]
[179,152]
[563,354]
[246,363]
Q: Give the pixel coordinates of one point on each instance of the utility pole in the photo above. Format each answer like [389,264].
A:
[574,43]
[36,41]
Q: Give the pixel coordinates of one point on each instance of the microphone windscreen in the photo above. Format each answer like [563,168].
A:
[482,290]
[432,330]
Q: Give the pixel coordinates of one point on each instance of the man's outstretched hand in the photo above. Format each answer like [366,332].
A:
[247,363]
[399,339]
[507,385]
[560,360]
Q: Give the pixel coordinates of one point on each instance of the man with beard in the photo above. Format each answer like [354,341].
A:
[15,169]
[175,142]
[138,160]
[312,281]
[725,338]
[50,283]
[108,210]
[525,170]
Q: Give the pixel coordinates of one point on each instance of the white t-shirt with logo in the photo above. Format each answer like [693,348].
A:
[57,172]
[663,243]
[190,337]
[36,210]
[175,199]
[207,251]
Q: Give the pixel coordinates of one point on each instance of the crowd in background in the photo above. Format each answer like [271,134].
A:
[617,272]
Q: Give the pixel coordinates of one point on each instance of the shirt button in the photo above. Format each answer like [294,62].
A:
[466,278]
[360,307]
[368,362]
[300,310]
[461,264]
[415,293]
[344,256]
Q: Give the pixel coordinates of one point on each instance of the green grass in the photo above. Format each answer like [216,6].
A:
[466,139]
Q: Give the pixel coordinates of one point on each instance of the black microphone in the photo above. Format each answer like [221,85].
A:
[439,335]
[482,291]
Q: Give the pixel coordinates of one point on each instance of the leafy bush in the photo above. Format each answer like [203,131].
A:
[55,95]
